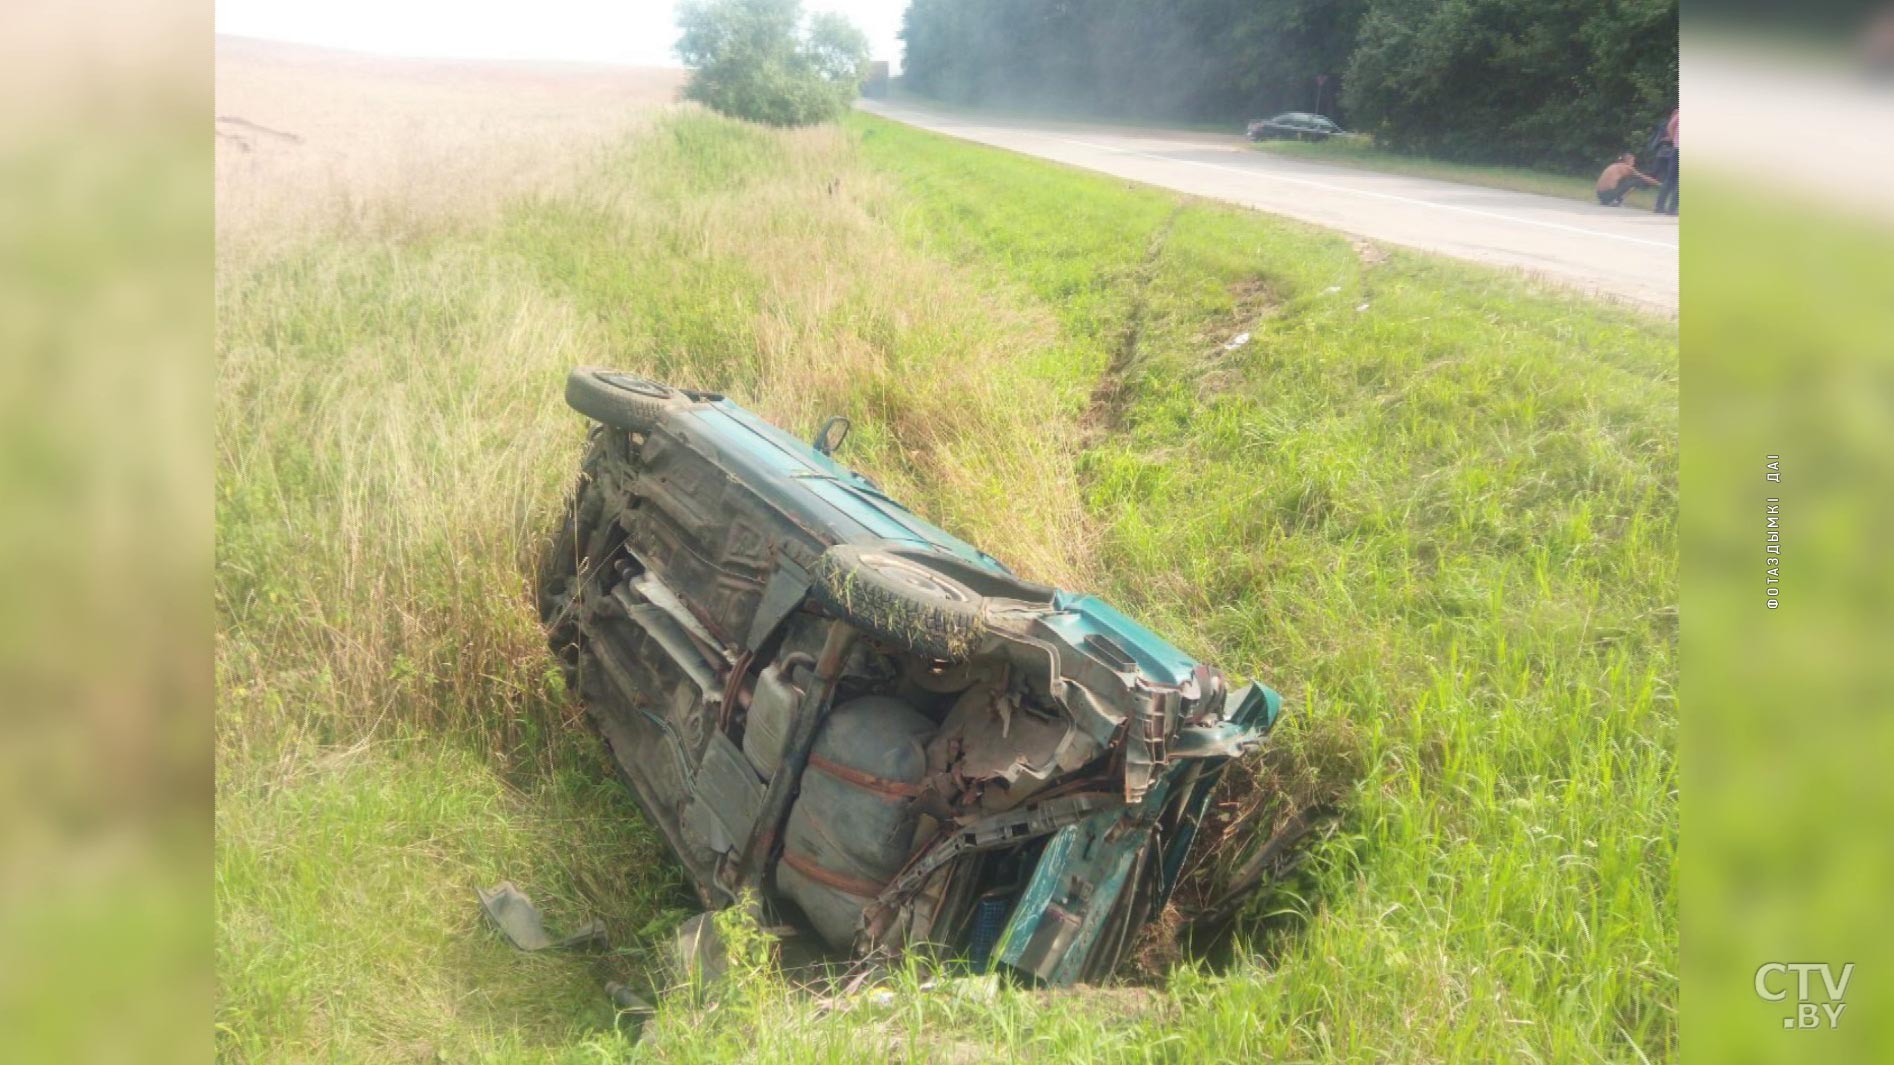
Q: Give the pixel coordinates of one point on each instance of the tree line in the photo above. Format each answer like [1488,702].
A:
[1553,83]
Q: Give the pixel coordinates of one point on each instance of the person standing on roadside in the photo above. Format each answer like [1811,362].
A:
[1669,162]
[1656,159]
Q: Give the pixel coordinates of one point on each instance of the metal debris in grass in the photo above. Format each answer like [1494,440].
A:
[514,914]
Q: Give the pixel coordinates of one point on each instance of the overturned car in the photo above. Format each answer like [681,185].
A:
[874,728]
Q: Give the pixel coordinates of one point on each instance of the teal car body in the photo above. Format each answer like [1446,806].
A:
[827,701]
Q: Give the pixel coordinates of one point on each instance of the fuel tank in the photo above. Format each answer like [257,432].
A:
[852,827]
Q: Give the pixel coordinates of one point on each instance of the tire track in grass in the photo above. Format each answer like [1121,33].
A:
[1105,412]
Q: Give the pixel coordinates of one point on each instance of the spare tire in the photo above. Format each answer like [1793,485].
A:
[901,600]
[618,399]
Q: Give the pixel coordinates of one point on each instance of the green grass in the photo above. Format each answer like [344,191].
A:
[1432,504]
[1362,153]
[349,928]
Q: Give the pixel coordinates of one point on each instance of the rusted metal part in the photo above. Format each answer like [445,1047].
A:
[893,789]
[853,885]
[735,694]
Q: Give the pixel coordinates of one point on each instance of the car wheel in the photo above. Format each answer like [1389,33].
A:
[900,600]
[618,399]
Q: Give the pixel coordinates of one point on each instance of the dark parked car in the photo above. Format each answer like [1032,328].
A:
[1294,125]
[879,730]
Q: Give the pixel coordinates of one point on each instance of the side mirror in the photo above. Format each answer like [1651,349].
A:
[827,438]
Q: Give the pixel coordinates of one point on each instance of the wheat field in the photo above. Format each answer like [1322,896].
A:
[316,140]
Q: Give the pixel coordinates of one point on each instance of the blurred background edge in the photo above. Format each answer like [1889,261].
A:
[106,927]
[1787,339]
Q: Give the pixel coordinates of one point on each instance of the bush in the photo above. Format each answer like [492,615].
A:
[751,59]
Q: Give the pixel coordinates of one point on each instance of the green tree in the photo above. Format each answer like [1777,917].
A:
[752,59]
[1563,83]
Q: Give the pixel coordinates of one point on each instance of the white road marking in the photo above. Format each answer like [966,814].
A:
[1247,172]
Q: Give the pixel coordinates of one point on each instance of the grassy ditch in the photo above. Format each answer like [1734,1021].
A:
[1432,504]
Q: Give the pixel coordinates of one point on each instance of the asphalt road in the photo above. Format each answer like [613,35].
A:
[1621,253]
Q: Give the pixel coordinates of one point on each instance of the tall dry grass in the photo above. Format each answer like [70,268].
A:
[798,296]
[391,441]
[392,448]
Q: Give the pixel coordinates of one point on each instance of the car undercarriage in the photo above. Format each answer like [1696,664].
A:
[873,728]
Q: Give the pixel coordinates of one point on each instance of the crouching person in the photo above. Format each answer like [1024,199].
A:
[1620,178]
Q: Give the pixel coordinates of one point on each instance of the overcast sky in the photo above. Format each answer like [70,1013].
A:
[640,32]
